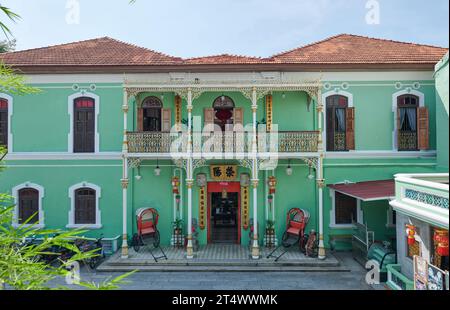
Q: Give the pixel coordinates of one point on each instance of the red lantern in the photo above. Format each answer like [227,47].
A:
[441,238]
[411,233]
[272,182]
[175,185]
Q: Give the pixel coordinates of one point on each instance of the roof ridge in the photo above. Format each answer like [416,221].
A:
[93,40]
[56,45]
[141,47]
[306,45]
[352,35]
[223,54]
[393,41]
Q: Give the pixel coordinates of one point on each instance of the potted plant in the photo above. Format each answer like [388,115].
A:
[270,233]
[178,232]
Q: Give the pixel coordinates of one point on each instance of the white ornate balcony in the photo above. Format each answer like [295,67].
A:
[282,142]
[423,196]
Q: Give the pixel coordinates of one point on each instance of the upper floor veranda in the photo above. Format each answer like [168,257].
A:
[337,113]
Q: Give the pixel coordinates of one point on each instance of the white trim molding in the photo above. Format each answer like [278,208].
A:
[98,194]
[407,91]
[70,110]
[10,114]
[359,212]
[334,92]
[15,194]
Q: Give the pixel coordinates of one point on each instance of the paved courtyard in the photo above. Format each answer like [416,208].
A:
[352,279]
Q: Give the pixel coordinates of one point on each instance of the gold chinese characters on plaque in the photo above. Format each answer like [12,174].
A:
[224,173]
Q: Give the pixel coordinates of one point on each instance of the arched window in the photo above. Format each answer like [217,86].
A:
[85,206]
[84,125]
[223,111]
[336,112]
[407,122]
[3,122]
[151,114]
[85,209]
[28,206]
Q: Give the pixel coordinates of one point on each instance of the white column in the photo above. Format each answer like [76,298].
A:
[320,179]
[189,178]
[124,180]
[255,178]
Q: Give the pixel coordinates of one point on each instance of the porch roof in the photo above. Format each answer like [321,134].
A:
[368,191]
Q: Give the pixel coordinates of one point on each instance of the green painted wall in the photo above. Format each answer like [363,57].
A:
[40,123]
[442,83]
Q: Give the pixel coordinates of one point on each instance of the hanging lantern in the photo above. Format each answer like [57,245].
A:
[411,234]
[178,199]
[441,238]
[270,199]
[272,182]
[175,185]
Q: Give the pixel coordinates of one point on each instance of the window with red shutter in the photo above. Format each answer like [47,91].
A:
[84,125]
[336,111]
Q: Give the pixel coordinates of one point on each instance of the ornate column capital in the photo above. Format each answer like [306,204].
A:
[321,183]
[124,183]
[255,183]
[189,183]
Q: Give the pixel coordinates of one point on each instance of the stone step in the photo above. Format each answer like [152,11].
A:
[205,268]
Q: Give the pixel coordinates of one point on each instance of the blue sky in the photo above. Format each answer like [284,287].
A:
[188,28]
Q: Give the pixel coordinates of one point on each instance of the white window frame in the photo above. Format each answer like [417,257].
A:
[359,212]
[390,217]
[394,110]
[98,194]
[71,110]
[15,194]
[324,102]
[10,114]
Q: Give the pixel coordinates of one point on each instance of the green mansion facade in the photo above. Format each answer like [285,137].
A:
[117,127]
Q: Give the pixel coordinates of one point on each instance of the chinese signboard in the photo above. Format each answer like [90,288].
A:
[224,172]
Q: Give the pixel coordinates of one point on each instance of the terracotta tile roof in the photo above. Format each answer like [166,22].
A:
[366,191]
[345,50]
[95,52]
[226,59]
[353,49]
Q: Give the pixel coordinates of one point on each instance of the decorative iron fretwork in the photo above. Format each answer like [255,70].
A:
[313,162]
[149,142]
[202,208]
[407,141]
[134,162]
[429,199]
[298,141]
[245,200]
[339,141]
[269,114]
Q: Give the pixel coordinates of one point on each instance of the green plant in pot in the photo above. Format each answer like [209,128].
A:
[178,226]
[270,227]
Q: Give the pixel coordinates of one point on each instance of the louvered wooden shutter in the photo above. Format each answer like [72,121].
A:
[140,119]
[423,130]
[166,116]
[208,114]
[330,129]
[350,128]
[398,128]
[238,115]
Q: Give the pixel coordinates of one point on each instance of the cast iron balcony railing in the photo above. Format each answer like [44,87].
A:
[283,142]
[407,141]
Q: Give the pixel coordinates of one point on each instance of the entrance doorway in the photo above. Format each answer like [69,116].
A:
[224,213]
